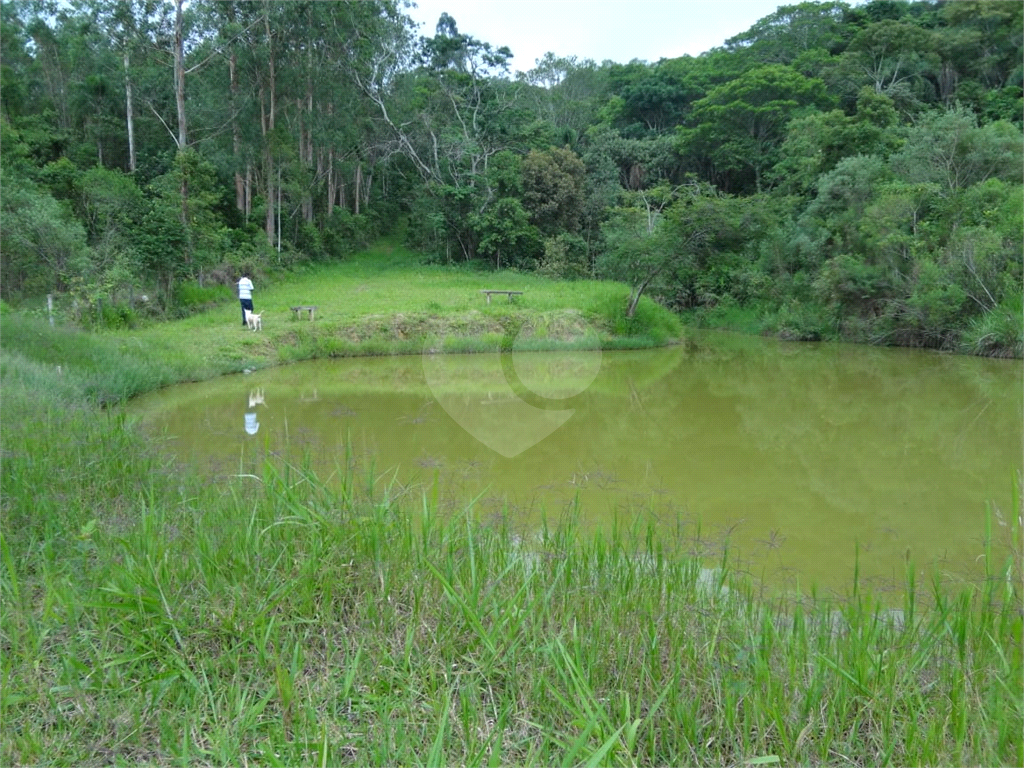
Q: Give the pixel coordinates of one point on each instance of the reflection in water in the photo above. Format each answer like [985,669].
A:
[252,424]
[804,457]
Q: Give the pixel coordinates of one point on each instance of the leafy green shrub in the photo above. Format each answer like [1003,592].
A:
[345,233]
[42,246]
[849,284]
[250,257]
[115,316]
[309,241]
[800,321]
[565,258]
[935,305]
[751,284]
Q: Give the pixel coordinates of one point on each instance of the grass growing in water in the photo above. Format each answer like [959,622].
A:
[151,617]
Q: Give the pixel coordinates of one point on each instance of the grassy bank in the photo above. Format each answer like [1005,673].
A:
[381,302]
[149,616]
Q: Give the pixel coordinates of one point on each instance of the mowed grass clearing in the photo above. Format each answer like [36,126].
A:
[383,301]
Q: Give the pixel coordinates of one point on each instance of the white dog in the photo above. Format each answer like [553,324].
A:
[254,321]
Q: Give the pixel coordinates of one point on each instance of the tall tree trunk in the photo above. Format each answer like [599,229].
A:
[305,157]
[319,174]
[185,219]
[56,84]
[179,75]
[268,170]
[307,198]
[358,184]
[331,191]
[248,191]
[637,292]
[129,104]
[236,138]
[269,125]
[179,97]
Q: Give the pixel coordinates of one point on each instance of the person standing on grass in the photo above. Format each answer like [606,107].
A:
[245,296]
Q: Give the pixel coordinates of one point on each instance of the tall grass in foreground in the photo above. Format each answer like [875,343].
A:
[151,617]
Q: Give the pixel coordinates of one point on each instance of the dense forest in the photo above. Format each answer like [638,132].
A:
[837,171]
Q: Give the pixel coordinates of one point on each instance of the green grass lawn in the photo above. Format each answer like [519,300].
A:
[383,301]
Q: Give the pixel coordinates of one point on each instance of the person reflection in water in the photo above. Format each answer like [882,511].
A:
[252,423]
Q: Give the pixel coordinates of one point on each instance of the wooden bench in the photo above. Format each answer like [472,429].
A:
[510,294]
[310,309]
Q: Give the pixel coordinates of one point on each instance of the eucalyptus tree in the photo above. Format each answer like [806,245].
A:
[179,78]
[127,24]
[52,52]
[127,30]
[17,80]
[227,33]
[258,46]
[65,67]
[346,149]
[264,52]
[567,93]
[296,90]
[166,40]
[449,117]
[467,101]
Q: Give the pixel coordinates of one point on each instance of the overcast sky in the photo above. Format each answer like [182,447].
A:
[619,30]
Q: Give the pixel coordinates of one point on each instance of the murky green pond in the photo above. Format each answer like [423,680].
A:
[798,454]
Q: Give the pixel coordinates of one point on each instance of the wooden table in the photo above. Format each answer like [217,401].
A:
[510,294]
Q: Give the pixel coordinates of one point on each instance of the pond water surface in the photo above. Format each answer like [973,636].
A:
[803,456]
